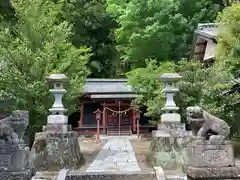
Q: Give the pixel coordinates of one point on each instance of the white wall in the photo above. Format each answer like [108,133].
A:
[210,50]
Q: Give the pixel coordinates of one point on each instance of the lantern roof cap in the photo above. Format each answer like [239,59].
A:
[170,77]
[57,78]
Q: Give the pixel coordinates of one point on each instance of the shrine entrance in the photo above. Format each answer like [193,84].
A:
[119,118]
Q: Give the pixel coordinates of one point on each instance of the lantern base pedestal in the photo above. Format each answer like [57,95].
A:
[57,128]
[171,118]
[57,119]
[52,151]
[57,123]
[168,146]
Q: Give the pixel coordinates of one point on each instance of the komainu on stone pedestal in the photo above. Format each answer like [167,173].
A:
[210,155]
[205,125]
[15,159]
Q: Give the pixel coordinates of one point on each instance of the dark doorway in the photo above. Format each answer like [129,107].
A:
[73,119]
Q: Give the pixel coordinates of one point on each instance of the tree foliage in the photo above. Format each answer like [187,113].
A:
[6,11]
[199,86]
[228,47]
[36,46]
[161,30]
[92,26]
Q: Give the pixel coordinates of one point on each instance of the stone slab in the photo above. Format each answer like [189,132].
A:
[209,155]
[175,175]
[75,175]
[116,155]
[213,173]
[18,175]
[62,174]
[159,173]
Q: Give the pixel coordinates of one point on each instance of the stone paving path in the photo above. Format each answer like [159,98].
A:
[117,155]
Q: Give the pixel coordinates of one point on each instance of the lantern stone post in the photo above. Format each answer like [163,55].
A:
[57,146]
[170,115]
[57,119]
[170,140]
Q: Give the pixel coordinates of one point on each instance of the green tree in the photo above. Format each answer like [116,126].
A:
[199,86]
[6,10]
[36,46]
[228,53]
[160,30]
[92,26]
[146,82]
[228,47]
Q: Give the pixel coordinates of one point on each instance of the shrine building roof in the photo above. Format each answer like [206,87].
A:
[208,30]
[107,86]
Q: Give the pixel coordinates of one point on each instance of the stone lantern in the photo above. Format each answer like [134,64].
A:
[170,114]
[170,139]
[57,146]
[57,117]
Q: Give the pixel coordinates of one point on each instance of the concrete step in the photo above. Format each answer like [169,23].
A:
[52,175]
[112,176]
[169,174]
[45,175]
[176,177]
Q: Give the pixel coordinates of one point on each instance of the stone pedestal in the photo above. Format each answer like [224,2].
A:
[15,163]
[207,161]
[168,146]
[15,157]
[170,141]
[56,150]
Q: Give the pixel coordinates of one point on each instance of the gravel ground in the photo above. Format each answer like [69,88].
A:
[89,148]
[141,148]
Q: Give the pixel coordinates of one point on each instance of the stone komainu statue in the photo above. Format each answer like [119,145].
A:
[207,126]
[7,134]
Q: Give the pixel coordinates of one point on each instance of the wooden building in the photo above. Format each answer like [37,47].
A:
[204,42]
[113,97]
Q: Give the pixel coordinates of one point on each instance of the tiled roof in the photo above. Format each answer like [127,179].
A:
[208,30]
[98,86]
[113,96]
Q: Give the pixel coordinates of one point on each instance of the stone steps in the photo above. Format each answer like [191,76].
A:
[124,131]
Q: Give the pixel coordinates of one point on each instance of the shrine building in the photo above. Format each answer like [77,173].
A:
[112,98]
